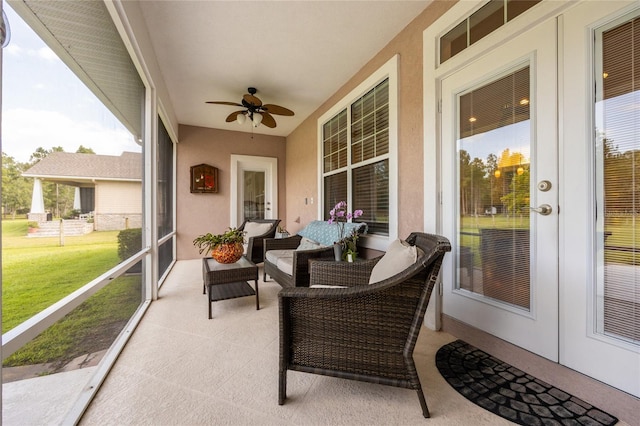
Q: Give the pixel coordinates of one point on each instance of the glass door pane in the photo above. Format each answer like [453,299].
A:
[254,194]
[493,147]
[618,181]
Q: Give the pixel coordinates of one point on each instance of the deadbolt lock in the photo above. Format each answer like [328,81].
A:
[544,185]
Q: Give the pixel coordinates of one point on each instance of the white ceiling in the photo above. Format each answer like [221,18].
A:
[296,53]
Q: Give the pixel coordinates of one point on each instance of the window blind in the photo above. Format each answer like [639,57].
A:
[334,137]
[371,194]
[370,124]
[618,126]
[335,190]
[490,17]
[494,189]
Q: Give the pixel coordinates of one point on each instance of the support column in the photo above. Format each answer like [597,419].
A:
[76,200]
[37,212]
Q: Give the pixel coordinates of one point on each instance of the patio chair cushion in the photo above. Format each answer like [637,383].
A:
[285,264]
[254,229]
[399,256]
[282,259]
[327,286]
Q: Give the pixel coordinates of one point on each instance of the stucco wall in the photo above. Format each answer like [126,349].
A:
[302,143]
[201,213]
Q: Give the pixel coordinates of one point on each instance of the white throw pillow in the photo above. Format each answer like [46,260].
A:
[307,244]
[254,229]
[399,256]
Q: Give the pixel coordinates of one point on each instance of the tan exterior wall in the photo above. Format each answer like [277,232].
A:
[302,143]
[201,213]
[118,205]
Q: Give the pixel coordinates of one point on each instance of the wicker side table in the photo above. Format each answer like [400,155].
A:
[228,281]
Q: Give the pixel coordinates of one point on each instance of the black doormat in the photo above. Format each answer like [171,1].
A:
[511,393]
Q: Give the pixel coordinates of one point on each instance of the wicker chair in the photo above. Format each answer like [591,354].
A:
[255,250]
[363,332]
[300,277]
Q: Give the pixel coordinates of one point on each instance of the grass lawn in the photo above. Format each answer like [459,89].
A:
[620,235]
[37,272]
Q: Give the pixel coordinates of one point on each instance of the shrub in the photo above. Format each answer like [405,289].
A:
[72,214]
[129,242]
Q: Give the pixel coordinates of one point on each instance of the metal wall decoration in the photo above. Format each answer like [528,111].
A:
[204,179]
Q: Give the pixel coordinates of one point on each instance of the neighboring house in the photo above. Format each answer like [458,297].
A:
[108,187]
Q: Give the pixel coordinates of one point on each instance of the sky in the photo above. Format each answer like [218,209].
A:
[45,105]
[515,137]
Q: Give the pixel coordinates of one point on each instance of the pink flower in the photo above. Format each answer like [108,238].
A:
[339,215]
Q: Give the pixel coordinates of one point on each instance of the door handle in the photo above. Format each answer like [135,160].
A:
[544,209]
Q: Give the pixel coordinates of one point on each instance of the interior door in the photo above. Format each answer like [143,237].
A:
[254,188]
[599,252]
[499,192]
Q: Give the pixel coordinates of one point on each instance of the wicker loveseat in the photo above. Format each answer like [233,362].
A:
[360,332]
[286,260]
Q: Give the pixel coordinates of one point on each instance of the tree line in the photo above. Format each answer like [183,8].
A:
[503,183]
[17,190]
[495,186]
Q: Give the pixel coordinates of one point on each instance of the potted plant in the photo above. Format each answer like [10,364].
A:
[282,232]
[351,248]
[224,248]
[340,215]
[32,226]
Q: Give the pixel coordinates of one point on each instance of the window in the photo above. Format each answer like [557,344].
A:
[88,100]
[481,23]
[165,190]
[617,147]
[358,143]
[494,163]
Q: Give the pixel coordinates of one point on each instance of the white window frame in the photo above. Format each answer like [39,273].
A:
[388,70]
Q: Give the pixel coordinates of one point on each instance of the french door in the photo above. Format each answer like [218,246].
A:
[540,148]
[254,188]
[499,151]
[600,231]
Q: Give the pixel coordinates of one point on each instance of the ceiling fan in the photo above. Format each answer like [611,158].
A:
[255,110]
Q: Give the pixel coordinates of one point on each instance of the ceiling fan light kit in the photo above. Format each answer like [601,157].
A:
[257,119]
[255,110]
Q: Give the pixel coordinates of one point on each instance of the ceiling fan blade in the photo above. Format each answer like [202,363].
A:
[277,109]
[224,103]
[252,100]
[234,116]
[268,120]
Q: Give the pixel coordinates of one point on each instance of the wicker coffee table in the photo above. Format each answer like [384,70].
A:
[228,281]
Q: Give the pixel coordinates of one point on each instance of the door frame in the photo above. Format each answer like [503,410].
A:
[241,163]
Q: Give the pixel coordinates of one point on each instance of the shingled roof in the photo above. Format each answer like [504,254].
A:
[67,165]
